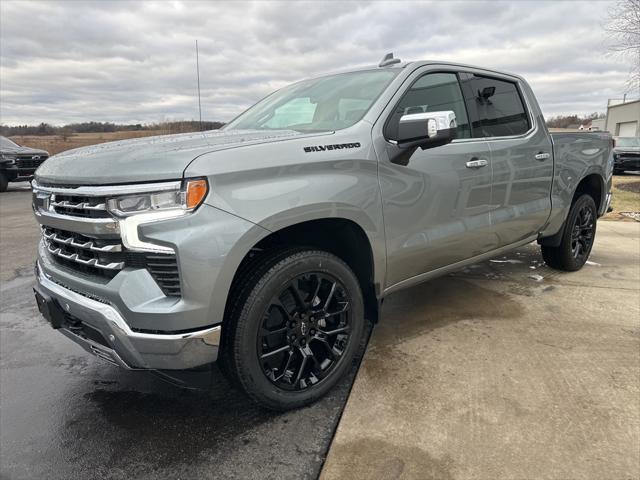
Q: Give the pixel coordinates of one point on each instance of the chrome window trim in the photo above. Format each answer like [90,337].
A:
[110,190]
[428,68]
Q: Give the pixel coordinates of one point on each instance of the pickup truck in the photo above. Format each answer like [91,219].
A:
[264,246]
[17,163]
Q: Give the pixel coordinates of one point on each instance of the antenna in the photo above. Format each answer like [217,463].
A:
[388,60]
[198,75]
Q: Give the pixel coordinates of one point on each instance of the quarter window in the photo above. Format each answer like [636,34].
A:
[499,106]
[433,92]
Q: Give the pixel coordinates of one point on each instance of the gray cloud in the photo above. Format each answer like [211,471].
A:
[134,61]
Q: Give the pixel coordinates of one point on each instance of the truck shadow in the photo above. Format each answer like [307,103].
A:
[134,422]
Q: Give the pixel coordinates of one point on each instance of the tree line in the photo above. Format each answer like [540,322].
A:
[560,121]
[104,127]
[566,121]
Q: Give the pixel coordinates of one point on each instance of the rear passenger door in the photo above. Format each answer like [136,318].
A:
[521,154]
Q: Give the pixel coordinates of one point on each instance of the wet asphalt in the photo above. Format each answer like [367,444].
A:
[65,414]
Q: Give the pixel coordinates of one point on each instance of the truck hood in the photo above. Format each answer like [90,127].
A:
[19,150]
[146,159]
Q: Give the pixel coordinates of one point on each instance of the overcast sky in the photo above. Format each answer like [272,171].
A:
[133,61]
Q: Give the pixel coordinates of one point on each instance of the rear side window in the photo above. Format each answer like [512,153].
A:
[433,92]
[499,106]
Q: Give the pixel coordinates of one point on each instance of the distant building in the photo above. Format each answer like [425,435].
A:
[623,118]
[598,124]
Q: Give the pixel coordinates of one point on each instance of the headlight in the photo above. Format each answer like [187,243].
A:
[187,198]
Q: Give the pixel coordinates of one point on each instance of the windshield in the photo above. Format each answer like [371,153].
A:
[628,142]
[322,104]
[6,143]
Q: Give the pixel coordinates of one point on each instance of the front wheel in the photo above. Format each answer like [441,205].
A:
[577,237]
[4,183]
[295,327]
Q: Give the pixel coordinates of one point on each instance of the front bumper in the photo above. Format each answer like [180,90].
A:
[100,329]
[622,162]
[15,174]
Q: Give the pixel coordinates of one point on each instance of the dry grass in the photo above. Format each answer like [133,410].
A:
[624,200]
[57,143]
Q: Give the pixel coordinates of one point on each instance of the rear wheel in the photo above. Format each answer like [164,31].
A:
[577,238]
[296,326]
[3,182]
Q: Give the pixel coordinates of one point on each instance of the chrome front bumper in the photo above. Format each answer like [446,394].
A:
[124,347]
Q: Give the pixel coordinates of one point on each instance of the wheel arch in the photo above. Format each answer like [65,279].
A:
[592,184]
[342,236]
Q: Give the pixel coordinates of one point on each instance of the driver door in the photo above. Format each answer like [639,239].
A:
[436,207]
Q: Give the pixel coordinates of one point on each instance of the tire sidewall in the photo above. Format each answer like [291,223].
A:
[569,260]
[274,281]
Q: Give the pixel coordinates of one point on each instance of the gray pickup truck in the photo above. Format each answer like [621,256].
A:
[265,245]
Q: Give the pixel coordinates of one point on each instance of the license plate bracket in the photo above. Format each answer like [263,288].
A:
[50,309]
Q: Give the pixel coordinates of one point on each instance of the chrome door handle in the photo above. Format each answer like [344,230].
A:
[542,156]
[477,163]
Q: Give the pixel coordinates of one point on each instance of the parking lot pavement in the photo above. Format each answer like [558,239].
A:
[64,414]
[507,370]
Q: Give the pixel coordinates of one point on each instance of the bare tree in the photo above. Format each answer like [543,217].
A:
[623,29]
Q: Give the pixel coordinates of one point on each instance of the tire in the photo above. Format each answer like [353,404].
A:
[284,352]
[4,183]
[578,235]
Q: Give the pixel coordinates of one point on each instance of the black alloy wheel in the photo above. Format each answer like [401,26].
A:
[578,235]
[293,328]
[583,233]
[305,331]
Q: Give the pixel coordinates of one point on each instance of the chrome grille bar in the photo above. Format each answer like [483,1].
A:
[79,206]
[88,245]
[109,190]
[91,262]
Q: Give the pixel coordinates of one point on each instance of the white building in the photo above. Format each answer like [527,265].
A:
[598,124]
[623,118]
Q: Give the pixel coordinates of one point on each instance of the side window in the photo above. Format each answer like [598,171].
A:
[499,106]
[432,92]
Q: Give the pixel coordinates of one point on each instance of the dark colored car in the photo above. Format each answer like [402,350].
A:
[626,154]
[17,164]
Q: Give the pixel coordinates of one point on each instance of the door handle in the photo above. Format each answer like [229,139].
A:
[477,163]
[542,156]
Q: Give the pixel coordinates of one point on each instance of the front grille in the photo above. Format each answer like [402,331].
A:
[29,162]
[79,206]
[105,258]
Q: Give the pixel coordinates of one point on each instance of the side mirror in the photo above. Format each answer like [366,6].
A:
[427,130]
[424,130]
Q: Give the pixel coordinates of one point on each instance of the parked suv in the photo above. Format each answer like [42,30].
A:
[17,164]
[266,245]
